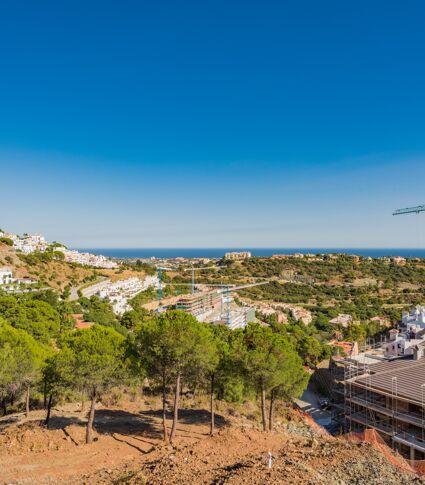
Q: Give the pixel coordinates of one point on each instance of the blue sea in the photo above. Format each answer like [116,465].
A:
[144,253]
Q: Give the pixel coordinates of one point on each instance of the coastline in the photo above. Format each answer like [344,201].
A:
[216,253]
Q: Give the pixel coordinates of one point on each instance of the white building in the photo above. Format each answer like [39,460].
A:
[29,243]
[409,340]
[401,345]
[414,320]
[88,259]
[6,276]
[237,256]
[301,314]
[342,319]
[120,292]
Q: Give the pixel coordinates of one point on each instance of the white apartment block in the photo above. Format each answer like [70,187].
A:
[236,256]
[120,292]
[6,276]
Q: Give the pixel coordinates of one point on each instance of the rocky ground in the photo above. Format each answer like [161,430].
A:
[240,456]
[128,450]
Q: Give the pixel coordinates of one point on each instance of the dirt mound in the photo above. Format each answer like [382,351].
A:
[32,437]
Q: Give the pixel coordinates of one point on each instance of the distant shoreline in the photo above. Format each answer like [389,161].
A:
[163,253]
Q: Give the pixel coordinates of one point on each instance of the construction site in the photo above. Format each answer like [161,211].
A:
[387,395]
[382,387]
[211,303]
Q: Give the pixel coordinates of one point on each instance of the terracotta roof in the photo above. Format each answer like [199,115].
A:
[81,325]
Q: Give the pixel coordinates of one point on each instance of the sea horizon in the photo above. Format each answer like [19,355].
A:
[146,253]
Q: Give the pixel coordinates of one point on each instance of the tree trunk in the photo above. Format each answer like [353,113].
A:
[164,410]
[49,409]
[176,408]
[4,405]
[90,420]
[82,404]
[263,406]
[45,394]
[27,402]
[212,426]
[271,411]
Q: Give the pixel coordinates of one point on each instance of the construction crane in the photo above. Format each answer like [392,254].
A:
[160,269]
[199,269]
[409,210]
[227,289]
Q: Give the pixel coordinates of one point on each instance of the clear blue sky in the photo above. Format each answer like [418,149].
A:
[213,123]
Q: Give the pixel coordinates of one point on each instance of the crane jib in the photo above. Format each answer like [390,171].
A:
[410,210]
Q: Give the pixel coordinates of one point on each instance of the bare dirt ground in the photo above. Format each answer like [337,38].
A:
[31,453]
[128,450]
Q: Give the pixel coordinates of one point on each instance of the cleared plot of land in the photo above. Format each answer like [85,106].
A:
[128,449]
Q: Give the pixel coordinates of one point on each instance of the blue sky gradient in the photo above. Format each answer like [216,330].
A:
[184,124]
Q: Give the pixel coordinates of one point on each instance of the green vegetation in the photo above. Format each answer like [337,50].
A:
[21,361]
[6,240]
[174,347]
[172,353]
[91,361]
[38,318]
[271,367]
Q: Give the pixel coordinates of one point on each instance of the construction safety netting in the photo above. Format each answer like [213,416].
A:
[319,430]
[371,436]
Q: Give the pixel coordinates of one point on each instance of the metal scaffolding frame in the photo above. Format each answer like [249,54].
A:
[365,406]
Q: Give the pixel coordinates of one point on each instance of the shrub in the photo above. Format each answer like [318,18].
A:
[6,240]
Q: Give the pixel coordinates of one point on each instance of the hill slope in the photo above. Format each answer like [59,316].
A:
[57,274]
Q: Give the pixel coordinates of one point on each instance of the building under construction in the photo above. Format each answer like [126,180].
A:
[384,388]
[200,303]
[214,306]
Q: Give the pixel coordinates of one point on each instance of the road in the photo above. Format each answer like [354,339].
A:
[309,402]
[87,291]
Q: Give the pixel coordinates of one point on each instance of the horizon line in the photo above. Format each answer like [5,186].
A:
[247,247]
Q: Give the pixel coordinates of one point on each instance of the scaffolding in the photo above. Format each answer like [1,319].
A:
[399,420]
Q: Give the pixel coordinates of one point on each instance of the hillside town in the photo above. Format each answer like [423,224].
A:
[31,243]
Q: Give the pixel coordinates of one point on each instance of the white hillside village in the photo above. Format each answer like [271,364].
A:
[117,293]
[30,243]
